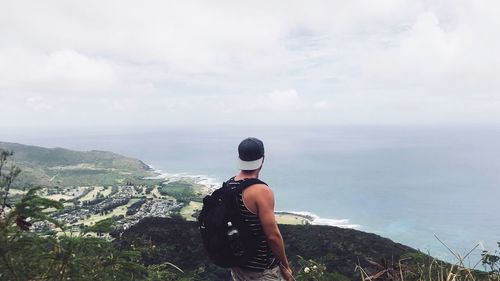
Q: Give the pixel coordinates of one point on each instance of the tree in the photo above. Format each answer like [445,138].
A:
[491,262]
[19,248]
[6,179]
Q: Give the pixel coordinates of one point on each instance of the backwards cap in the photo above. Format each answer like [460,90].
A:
[250,154]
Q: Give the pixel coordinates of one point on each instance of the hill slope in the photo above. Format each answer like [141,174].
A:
[64,167]
[340,249]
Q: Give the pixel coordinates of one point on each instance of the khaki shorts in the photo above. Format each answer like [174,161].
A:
[273,274]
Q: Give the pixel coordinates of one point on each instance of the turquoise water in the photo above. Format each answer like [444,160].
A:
[407,184]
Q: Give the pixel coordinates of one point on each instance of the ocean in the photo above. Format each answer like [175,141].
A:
[409,184]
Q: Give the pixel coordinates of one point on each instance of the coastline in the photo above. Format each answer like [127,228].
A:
[210,184]
[311,218]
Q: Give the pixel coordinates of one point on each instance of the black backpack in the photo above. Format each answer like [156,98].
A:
[219,208]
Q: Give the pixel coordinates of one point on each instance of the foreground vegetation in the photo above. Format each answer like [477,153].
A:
[28,255]
[170,248]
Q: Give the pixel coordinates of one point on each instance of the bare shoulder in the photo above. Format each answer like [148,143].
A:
[258,196]
[260,192]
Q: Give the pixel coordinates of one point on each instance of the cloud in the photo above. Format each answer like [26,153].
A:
[193,37]
[438,57]
[199,62]
[422,53]
[71,70]
[59,71]
[283,100]
[323,105]
[38,105]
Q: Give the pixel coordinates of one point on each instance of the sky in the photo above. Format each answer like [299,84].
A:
[137,64]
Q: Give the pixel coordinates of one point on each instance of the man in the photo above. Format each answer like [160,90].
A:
[257,209]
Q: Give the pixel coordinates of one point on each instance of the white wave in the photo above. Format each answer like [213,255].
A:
[317,220]
[159,174]
[208,182]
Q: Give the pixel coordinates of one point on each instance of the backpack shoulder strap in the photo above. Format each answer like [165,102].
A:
[232,193]
[246,183]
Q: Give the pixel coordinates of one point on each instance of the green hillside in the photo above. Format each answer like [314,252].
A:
[63,167]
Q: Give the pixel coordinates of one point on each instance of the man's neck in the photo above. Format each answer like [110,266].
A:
[253,175]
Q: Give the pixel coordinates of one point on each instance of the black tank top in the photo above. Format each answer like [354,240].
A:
[264,257]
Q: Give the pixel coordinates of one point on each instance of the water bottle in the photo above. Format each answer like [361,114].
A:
[235,243]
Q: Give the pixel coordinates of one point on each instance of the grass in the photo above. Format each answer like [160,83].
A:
[156,192]
[58,197]
[290,219]
[92,194]
[183,191]
[188,211]
[17,192]
[419,267]
[106,192]
[120,210]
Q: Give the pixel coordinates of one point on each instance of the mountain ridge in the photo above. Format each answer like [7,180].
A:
[64,167]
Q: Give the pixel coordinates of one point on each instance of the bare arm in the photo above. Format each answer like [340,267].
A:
[265,211]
